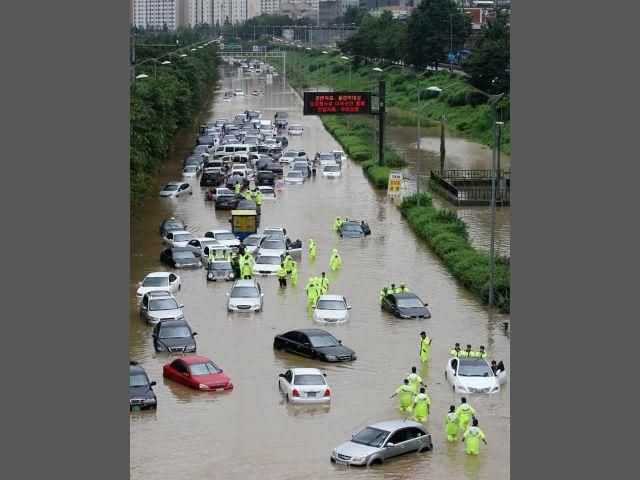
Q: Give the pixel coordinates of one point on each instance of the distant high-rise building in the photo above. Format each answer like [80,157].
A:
[200,12]
[297,9]
[269,6]
[349,3]
[155,14]
[328,10]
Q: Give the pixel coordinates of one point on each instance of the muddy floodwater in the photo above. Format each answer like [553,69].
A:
[252,432]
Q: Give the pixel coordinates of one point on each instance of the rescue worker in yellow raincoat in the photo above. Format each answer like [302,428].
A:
[335,261]
[237,187]
[312,248]
[337,224]
[468,352]
[473,435]
[383,293]
[324,284]
[421,404]
[282,275]
[258,198]
[425,343]
[455,351]
[406,396]
[482,353]
[312,292]
[246,270]
[287,263]
[415,380]
[464,412]
[451,424]
[247,195]
[403,288]
[294,272]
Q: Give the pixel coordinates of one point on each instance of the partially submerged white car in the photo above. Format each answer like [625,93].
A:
[294,177]
[167,281]
[268,193]
[177,239]
[198,244]
[295,129]
[225,237]
[471,375]
[331,309]
[304,385]
[331,170]
[267,264]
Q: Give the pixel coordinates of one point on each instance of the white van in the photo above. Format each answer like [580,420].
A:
[232,148]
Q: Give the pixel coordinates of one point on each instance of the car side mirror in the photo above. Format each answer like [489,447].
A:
[152,384]
[194,334]
[181,306]
[390,445]
[340,342]
[154,335]
[227,294]
[348,307]
[324,374]
[139,284]
[306,344]
[426,304]
[281,375]
[262,295]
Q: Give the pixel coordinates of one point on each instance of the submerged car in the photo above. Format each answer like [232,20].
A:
[180,258]
[190,171]
[171,225]
[268,193]
[331,309]
[141,395]
[174,336]
[177,239]
[227,202]
[252,242]
[158,306]
[331,170]
[315,344]
[304,385]
[245,296]
[294,177]
[405,305]
[225,237]
[175,189]
[267,264]
[471,375]
[220,270]
[354,229]
[199,373]
[164,281]
[295,129]
[380,442]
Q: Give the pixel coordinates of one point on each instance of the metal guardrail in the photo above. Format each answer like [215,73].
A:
[483,174]
[473,194]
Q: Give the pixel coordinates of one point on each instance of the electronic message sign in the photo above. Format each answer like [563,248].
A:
[337,103]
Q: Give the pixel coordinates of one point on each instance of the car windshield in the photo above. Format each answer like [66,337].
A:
[296,127]
[273,244]
[244,292]
[372,437]
[351,227]
[479,369]
[266,191]
[155,282]
[291,154]
[332,168]
[184,255]
[409,303]
[295,174]
[184,237]
[331,305]
[309,380]
[138,380]
[225,236]
[170,188]
[203,368]
[221,266]
[190,169]
[269,260]
[323,341]
[326,156]
[163,304]
[174,332]
[174,226]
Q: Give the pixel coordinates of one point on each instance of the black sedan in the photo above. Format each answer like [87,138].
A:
[405,305]
[276,168]
[174,336]
[220,270]
[266,178]
[180,258]
[354,229]
[314,343]
[141,396]
[172,225]
[248,205]
[274,152]
[227,202]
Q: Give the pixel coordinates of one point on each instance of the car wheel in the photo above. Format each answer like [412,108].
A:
[375,461]
[315,356]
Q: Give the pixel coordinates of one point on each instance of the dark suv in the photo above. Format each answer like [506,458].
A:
[266,178]
[211,179]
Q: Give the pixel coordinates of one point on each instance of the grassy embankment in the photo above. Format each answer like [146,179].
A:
[160,107]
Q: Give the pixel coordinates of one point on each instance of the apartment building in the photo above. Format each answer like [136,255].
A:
[154,14]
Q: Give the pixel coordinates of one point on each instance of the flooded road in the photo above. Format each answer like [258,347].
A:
[461,154]
[251,431]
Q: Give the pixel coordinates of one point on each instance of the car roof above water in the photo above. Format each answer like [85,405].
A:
[392,425]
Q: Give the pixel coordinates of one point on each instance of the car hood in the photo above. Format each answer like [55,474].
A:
[173,313]
[271,252]
[265,267]
[212,379]
[244,301]
[142,290]
[177,342]
[141,392]
[478,382]
[187,261]
[338,350]
[333,314]
[230,243]
[181,244]
[351,234]
[220,273]
[414,311]
[353,449]
[166,194]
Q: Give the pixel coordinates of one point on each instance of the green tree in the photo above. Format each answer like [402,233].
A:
[490,59]
[432,26]
[351,15]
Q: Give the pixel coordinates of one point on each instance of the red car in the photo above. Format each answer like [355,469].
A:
[199,373]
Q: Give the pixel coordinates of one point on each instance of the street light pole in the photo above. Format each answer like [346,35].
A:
[493,211]
[418,149]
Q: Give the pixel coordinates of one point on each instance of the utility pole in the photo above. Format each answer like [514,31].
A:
[493,212]
[381,113]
